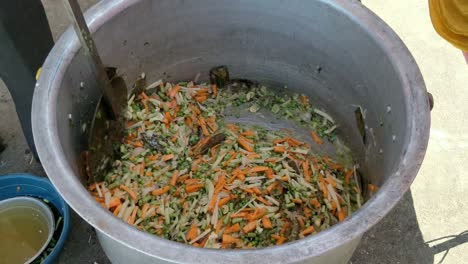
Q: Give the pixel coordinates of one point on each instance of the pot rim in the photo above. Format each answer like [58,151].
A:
[61,174]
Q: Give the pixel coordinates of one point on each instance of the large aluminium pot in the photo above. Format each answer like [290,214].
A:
[336,51]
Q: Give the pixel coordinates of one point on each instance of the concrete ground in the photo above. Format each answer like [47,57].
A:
[428,226]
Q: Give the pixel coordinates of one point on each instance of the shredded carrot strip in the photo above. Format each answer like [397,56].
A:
[232,127]
[128,125]
[279,239]
[261,199]
[233,156]
[144,96]
[259,213]
[248,133]
[174,178]
[253,156]
[331,181]
[309,230]
[266,223]
[231,240]
[279,141]
[248,140]
[285,227]
[212,123]
[296,201]
[256,191]
[214,89]
[145,105]
[248,190]
[269,173]
[160,191]
[239,215]
[315,203]
[173,92]
[219,224]
[243,142]
[279,149]
[114,202]
[131,219]
[301,222]
[192,233]
[130,192]
[138,144]
[241,176]
[193,188]
[316,138]
[224,201]
[342,214]
[192,181]
[188,121]
[259,169]
[323,186]
[201,98]
[272,160]
[117,209]
[304,99]
[153,157]
[92,187]
[348,176]
[183,178]
[232,229]
[307,212]
[294,142]
[167,157]
[305,168]
[212,203]
[337,167]
[271,187]
[175,137]
[144,210]
[249,227]
[203,91]
[220,183]
[202,124]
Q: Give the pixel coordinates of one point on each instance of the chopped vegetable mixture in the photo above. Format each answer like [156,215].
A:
[187,175]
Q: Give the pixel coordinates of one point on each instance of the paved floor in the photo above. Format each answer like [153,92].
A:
[428,224]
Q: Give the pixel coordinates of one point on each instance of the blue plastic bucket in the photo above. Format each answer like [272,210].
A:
[14,185]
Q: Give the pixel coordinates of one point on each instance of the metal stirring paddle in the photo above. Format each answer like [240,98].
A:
[108,119]
[112,97]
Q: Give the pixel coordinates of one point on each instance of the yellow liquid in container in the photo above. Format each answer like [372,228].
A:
[23,232]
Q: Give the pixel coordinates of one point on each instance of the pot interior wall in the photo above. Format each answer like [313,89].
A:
[307,46]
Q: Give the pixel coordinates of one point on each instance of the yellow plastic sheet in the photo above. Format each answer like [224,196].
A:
[450,20]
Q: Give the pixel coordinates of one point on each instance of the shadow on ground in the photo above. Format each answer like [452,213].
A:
[396,239]
[82,246]
[444,244]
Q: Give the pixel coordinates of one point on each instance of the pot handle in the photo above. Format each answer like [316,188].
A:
[430,98]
